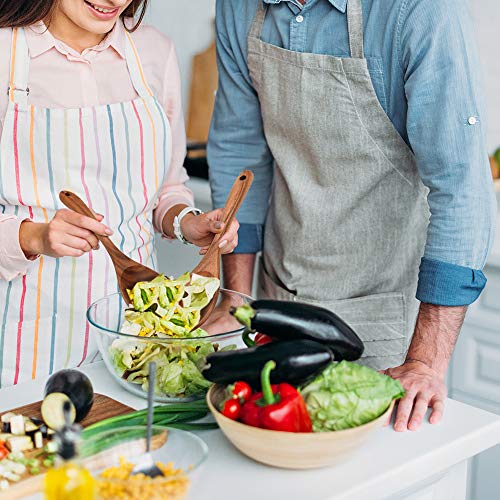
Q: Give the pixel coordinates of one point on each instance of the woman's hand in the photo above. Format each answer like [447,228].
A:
[68,234]
[201,229]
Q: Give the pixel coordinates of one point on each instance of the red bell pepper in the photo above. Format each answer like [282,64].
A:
[260,339]
[278,407]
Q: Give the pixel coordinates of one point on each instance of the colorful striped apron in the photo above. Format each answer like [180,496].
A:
[115,157]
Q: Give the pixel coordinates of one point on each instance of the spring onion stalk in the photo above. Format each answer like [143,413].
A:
[169,415]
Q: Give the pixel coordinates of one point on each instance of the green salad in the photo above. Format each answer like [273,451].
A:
[170,307]
[348,395]
[166,309]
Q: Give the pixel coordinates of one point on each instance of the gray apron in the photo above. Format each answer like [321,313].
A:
[347,221]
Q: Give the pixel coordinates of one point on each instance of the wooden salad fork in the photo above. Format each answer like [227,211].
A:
[210,265]
[129,272]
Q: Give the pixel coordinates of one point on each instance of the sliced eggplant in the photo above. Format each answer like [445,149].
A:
[6,422]
[17,425]
[19,443]
[38,440]
[76,386]
[51,448]
[52,410]
[30,428]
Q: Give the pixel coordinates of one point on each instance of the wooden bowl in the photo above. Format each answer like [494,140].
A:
[292,450]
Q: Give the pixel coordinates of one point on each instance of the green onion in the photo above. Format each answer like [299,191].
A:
[195,426]
[168,415]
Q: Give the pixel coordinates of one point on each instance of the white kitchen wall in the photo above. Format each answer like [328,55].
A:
[189,23]
[487,19]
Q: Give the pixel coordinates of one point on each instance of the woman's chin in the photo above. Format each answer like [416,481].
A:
[98,27]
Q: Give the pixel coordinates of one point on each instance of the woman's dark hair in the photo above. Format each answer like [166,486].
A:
[21,13]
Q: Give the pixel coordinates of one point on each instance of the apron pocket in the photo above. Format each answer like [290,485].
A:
[379,320]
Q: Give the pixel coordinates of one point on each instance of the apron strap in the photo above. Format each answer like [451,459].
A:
[258,21]
[355,27]
[135,68]
[19,68]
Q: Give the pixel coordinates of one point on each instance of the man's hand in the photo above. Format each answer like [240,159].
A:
[422,374]
[424,388]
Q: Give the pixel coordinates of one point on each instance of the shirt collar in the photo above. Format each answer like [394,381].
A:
[338,4]
[41,40]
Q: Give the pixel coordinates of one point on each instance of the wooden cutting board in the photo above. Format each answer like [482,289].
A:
[102,408]
[204,82]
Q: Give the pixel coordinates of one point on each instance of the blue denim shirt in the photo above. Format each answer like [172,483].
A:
[424,67]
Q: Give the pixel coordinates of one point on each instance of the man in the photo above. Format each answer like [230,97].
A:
[367,113]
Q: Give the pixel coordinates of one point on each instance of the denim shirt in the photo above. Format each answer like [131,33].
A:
[424,66]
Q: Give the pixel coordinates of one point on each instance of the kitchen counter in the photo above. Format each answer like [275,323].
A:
[429,464]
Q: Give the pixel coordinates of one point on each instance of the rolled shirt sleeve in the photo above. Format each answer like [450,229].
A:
[237,140]
[13,262]
[445,125]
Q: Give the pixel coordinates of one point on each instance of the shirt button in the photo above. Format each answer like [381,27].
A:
[472,120]
[299,19]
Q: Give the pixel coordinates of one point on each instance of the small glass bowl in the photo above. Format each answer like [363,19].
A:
[182,449]
[106,317]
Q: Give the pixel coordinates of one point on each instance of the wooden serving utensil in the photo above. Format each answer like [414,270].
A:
[128,271]
[210,266]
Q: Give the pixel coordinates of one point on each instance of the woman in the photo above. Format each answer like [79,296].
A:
[90,102]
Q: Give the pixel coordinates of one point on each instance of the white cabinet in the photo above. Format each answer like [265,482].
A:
[474,378]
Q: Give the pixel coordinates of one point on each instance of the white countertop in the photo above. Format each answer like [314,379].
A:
[388,464]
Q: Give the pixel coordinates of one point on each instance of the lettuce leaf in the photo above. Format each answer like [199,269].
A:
[348,395]
[170,306]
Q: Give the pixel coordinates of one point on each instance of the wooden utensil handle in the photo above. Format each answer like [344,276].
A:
[234,201]
[75,203]
[236,197]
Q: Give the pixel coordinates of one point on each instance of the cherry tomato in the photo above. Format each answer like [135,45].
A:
[241,391]
[231,409]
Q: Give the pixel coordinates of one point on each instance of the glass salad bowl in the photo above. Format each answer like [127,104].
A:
[109,455]
[178,360]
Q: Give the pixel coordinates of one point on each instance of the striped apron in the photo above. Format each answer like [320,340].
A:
[115,157]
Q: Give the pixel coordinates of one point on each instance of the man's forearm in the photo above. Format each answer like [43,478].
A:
[238,272]
[435,336]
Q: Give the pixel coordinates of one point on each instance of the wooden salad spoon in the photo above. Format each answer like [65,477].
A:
[128,271]
[210,266]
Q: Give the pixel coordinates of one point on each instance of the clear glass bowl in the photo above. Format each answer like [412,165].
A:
[178,360]
[106,449]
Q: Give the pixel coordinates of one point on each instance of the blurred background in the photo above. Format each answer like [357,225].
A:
[475,371]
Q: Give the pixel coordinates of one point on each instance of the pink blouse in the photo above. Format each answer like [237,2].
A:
[60,77]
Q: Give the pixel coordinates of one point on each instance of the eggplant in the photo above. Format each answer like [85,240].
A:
[52,410]
[296,363]
[76,386]
[292,321]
